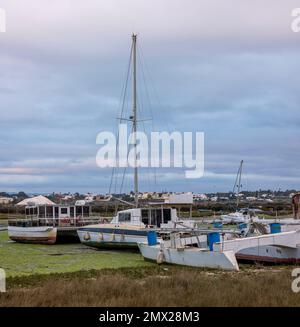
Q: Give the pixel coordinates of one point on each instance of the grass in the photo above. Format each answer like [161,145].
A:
[155,286]
[75,275]
[3,216]
[3,219]
[27,259]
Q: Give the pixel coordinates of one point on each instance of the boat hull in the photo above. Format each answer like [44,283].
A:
[109,237]
[281,247]
[270,254]
[193,257]
[39,235]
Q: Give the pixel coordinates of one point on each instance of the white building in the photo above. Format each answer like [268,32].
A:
[37,201]
[251,198]
[5,200]
[183,198]
[89,198]
[201,197]
[68,197]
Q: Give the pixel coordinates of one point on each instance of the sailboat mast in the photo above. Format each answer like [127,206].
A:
[134,120]
[239,183]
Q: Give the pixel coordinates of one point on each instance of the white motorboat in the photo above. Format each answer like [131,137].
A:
[236,217]
[240,215]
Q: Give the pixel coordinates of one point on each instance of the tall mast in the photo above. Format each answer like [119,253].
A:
[134,120]
[239,183]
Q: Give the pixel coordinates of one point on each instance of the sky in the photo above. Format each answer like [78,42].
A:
[230,69]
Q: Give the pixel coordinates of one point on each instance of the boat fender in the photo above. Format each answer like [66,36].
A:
[100,237]
[123,237]
[87,236]
[160,257]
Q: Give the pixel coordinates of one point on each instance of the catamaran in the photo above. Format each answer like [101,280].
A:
[174,251]
[131,226]
[222,252]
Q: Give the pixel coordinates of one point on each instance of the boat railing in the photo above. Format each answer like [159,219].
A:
[34,221]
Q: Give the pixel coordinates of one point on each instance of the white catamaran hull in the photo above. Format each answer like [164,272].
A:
[272,254]
[276,248]
[41,235]
[194,257]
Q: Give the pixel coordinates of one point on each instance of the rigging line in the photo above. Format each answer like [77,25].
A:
[140,57]
[122,100]
[148,173]
[123,94]
[144,129]
[142,103]
[124,171]
[153,84]
[140,107]
[144,64]
[127,79]
[111,180]
[145,84]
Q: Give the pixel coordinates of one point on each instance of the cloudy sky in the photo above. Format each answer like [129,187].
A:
[228,68]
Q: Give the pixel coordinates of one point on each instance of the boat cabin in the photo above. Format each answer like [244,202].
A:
[54,215]
[147,216]
[57,211]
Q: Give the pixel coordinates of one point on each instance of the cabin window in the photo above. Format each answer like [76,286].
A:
[49,212]
[124,216]
[145,216]
[167,215]
[64,211]
[156,217]
[71,211]
[78,211]
[42,212]
[159,216]
[56,212]
[86,211]
[31,211]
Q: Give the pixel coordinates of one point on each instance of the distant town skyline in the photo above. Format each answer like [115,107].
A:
[228,69]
